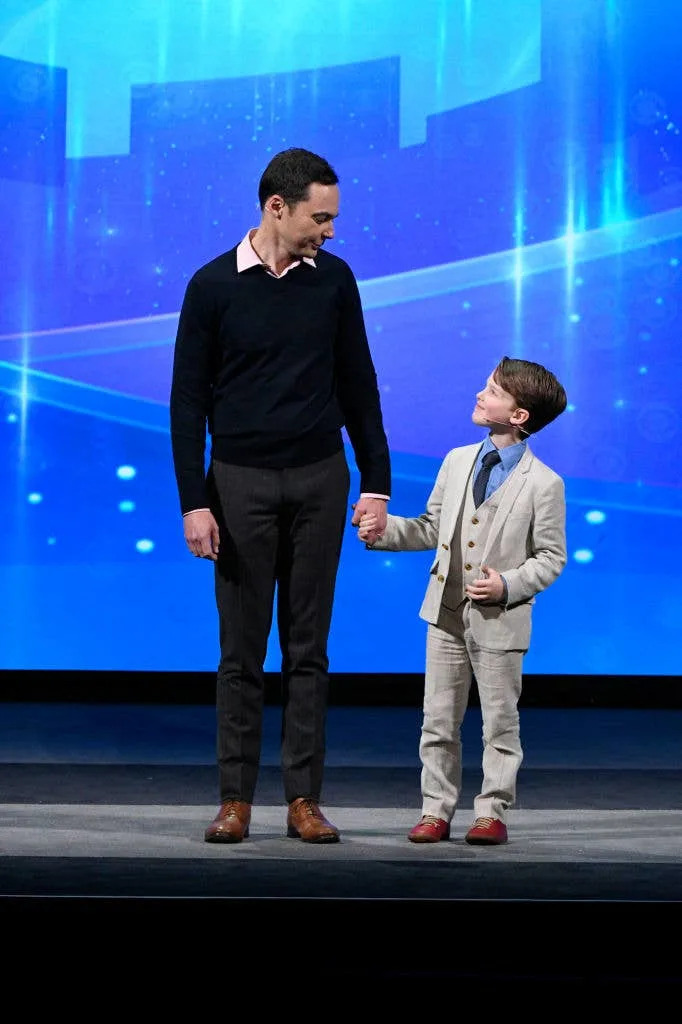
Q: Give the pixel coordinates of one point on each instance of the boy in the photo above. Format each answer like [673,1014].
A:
[497,517]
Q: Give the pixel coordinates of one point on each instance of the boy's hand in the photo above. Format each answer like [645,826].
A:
[488,588]
[375,507]
[367,528]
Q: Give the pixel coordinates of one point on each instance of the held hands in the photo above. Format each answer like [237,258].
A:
[488,588]
[369,515]
[367,528]
[201,534]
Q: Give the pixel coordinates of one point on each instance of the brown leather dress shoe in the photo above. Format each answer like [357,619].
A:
[306,821]
[429,830]
[231,824]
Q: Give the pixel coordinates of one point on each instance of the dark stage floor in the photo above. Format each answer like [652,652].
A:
[103,808]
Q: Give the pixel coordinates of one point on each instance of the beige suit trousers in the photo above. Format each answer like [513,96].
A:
[453,659]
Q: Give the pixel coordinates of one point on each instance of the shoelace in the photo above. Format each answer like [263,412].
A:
[429,819]
[309,807]
[483,822]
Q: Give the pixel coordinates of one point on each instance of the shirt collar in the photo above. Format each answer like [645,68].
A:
[247,257]
[509,456]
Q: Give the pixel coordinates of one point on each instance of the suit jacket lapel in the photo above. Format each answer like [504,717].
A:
[460,473]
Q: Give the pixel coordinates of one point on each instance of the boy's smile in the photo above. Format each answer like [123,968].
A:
[493,405]
[497,409]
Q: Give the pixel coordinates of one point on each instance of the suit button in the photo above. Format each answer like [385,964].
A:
[471,544]
[468,567]
[441,578]
[446,546]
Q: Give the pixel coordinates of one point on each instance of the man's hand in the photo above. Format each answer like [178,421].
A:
[375,507]
[488,588]
[201,534]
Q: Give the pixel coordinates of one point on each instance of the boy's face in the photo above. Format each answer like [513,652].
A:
[496,408]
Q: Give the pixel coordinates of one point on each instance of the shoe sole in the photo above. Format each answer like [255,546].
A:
[425,839]
[485,842]
[224,838]
[292,833]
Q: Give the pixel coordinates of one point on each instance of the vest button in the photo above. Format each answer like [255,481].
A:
[441,578]
[468,567]
[471,544]
[446,546]
[475,520]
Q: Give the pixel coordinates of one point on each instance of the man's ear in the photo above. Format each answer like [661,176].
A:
[275,205]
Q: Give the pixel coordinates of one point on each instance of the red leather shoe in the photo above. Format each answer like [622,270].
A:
[487,832]
[429,830]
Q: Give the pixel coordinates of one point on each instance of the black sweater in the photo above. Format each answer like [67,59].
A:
[274,368]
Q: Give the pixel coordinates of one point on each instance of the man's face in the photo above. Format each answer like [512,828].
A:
[305,227]
[494,405]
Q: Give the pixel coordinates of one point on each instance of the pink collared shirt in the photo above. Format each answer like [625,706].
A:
[247,257]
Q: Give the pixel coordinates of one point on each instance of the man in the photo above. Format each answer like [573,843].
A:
[272,355]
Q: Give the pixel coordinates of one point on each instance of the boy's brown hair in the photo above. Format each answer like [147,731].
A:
[533,388]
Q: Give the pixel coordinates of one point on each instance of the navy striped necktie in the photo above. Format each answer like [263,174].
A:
[490,459]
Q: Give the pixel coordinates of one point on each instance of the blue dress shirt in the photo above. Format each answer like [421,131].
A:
[509,459]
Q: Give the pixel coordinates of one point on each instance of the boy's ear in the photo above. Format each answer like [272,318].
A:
[519,417]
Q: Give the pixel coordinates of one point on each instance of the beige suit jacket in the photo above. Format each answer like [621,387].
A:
[526,542]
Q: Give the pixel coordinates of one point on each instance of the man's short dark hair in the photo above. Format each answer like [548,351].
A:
[533,388]
[291,173]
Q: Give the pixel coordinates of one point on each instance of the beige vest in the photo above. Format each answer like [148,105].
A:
[467,546]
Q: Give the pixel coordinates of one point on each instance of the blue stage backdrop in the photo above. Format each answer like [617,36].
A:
[511,183]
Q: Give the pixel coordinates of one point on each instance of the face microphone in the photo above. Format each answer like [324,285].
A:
[508,423]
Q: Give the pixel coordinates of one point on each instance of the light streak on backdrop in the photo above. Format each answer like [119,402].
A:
[511,183]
